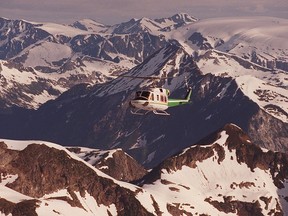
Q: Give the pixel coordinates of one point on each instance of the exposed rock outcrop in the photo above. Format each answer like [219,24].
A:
[115,163]
[43,170]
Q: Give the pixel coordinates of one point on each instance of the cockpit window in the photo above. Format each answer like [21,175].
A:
[145,94]
[142,95]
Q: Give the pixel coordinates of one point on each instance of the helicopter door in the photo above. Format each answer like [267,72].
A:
[152,96]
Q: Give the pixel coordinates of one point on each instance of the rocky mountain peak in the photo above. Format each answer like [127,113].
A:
[218,172]
[230,139]
[115,163]
[224,164]
[135,26]
[90,25]
[183,17]
[176,21]
[16,35]
[41,171]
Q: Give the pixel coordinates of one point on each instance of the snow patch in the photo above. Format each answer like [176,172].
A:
[7,179]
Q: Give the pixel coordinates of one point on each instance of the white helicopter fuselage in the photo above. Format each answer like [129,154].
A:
[152,99]
[155,99]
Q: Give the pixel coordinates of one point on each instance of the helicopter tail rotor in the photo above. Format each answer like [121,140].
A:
[186,84]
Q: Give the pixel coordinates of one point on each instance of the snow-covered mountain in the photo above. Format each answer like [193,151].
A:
[62,56]
[90,25]
[48,46]
[137,25]
[238,71]
[258,39]
[39,63]
[29,88]
[251,49]
[88,51]
[40,178]
[99,116]
[225,174]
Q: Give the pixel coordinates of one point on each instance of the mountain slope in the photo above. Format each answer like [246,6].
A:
[88,50]
[224,174]
[115,163]
[27,87]
[55,182]
[99,116]
[234,89]
[67,55]
[258,39]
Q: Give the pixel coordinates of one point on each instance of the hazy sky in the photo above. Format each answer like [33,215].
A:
[116,11]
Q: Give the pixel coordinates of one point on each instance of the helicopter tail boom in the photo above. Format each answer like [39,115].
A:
[178,102]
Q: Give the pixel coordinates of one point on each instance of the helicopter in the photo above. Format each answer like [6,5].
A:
[155,99]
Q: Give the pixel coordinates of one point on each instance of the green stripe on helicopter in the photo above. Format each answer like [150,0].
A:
[177,102]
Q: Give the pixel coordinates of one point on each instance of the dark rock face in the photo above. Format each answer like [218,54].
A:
[26,207]
[268,132]
[198,39]
[122,167]
[237,207]
[115,163]
[18,35]
[42,170]
[136,46]
[272,64]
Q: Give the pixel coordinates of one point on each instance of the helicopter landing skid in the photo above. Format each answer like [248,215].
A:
[139,112]
[162,112]
[144,112]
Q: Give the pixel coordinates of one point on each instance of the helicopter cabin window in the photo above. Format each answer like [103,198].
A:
[162,98]
[157,97]
[152,96]
[142,95]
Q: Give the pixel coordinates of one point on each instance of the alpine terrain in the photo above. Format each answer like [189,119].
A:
[225,174]
[225,153]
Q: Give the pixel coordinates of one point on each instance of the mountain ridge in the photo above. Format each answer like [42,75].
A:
[160,178]
[91,57]
[256,187]
[102,112]
[235,78]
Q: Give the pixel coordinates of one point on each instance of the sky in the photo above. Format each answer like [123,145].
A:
[117,11]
